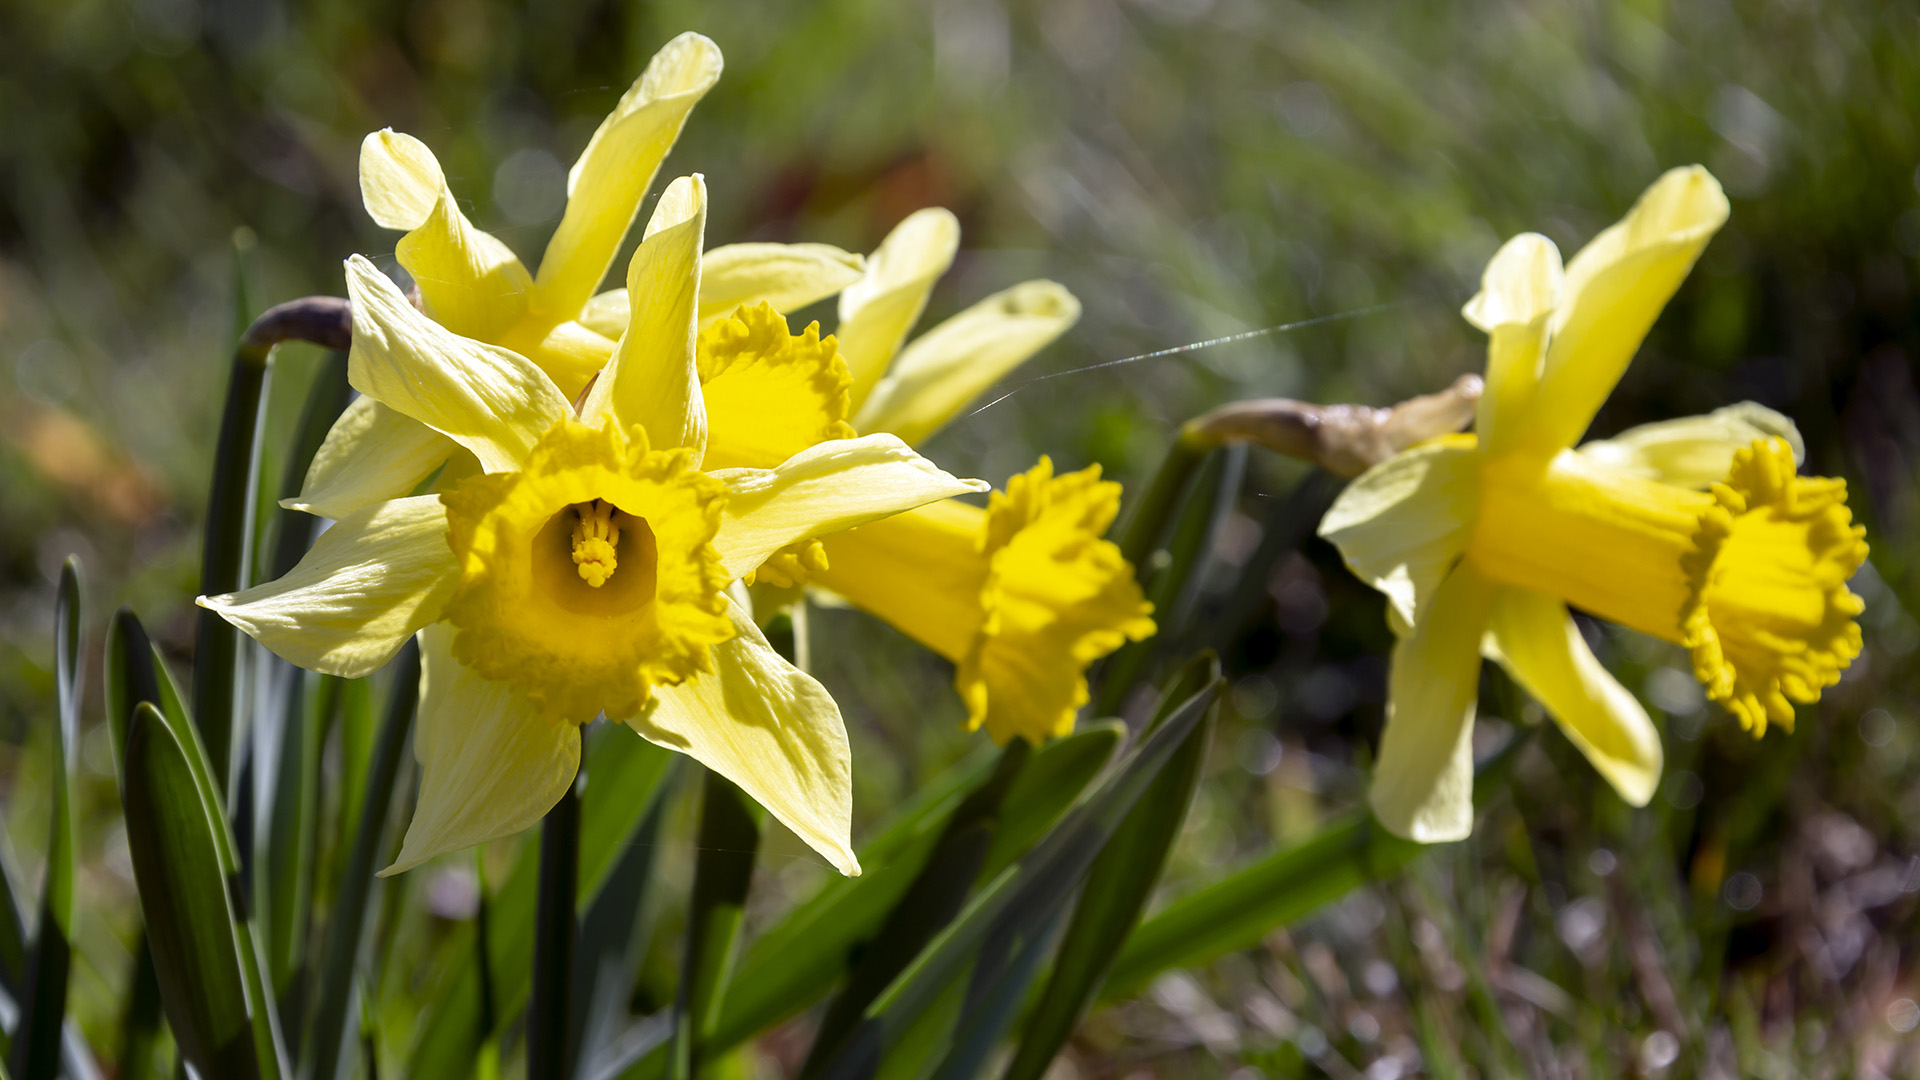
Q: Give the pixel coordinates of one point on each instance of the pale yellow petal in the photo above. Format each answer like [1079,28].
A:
[1614,289]
[1423,784]
[1402,524]
[490,764]
[607,183]
[1517,297]
[400,181]
[469,281]
[877,311]
[653,379]
[371,454]
[822,490]
[493,401]
[369,582]
[1695,451]
[943,370]
[1532,636]
[788,276]
[771,729]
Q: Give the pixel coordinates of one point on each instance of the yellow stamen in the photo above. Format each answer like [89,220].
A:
[595,542]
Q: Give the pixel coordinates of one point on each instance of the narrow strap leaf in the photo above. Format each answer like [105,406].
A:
[329,1038]
[43,1003]
[1118,887]
[723,870]
[184,902]
[1019,904]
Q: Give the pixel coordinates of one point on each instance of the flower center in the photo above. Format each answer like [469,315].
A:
[588,576]
[576,553]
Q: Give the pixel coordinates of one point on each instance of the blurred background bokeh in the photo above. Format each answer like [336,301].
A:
[1189,169]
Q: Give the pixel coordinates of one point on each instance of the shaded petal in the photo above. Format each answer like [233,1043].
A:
[653,379]
[1615,288]
[370,455]
[771,729]
[1532,636]
[946,367]
[1423,785]
[490,763]
[613,173]
[1402,524]
[1517,297]
[493,401]
[788,276]
[877,311]
[368,583]
[1694,451]
[825,489]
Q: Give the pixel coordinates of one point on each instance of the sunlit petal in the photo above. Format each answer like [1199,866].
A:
[653,379]
[942,371]
[1423,785]
[822,490]
[491,400]
[771,729]
[1534,638]
[369,582]
[613,173]
[370,455]
[1402,524]
[877,311]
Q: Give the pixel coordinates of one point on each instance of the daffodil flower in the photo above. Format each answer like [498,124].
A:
[470,283]
[584,569]
[1696,531]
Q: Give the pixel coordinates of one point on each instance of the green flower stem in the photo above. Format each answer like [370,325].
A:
[227,551]
[723,871]
[555,928]
[346,928]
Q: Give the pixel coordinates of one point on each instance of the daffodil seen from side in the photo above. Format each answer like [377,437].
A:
[1698,531]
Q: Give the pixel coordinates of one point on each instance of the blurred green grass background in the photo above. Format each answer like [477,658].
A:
[1189,168]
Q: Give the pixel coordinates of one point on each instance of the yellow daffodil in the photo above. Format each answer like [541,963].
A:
[1022,595]
[470,282]
[583,569]
[1697,531]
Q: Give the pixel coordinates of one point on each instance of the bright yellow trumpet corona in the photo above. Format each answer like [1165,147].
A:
[1697,531]
[1022,595]
[583,568]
